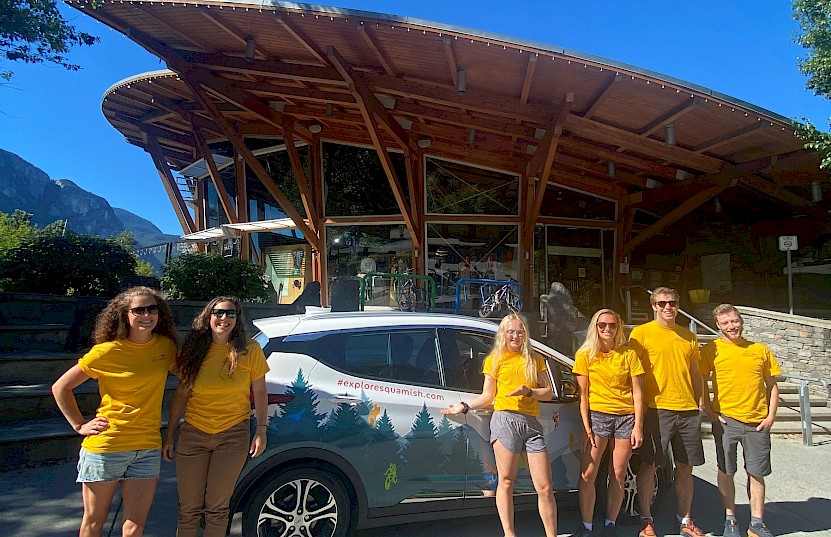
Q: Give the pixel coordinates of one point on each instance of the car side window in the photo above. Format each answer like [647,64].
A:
[397,355]
[565,383]
[465,354]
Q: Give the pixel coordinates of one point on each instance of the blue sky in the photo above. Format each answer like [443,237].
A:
[742,48]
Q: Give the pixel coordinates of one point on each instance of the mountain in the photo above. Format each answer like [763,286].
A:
[26,187]
[144,231]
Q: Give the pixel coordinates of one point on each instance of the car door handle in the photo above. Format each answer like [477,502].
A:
[482,412]
[344,400]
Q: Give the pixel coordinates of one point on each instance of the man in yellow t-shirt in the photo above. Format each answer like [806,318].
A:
[672,390]
[745,399]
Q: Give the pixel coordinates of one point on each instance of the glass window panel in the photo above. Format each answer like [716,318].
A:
[356,184]
[565,203]
[457,251]
[454,188]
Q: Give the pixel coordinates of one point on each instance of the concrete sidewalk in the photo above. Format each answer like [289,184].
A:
[46,502]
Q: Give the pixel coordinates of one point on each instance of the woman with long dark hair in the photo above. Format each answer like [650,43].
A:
[218,368]
[612,409]
[135,347]
[515,382]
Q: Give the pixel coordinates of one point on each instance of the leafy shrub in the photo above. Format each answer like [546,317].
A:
[199,276]
[65,265]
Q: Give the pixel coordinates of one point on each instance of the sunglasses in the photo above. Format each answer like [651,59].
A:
[519,333]
[231,314]
[601,325]
[663,303]
[141,310]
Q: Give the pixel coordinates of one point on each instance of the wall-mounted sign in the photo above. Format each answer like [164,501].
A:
[788,243]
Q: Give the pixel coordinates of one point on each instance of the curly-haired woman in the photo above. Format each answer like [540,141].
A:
[218,368]
[515,383]
[612,408]
[135,347]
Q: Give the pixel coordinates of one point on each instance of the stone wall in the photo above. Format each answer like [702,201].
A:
[802,345]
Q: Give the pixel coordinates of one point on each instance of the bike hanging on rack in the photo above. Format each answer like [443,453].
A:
[410,296]
[505,297]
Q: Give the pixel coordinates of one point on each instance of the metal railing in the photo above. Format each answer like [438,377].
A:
[805,403]
[694,323]
[396,280]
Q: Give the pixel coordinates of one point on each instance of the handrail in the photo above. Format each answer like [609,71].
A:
[805,403]
[394,277]
[626,296]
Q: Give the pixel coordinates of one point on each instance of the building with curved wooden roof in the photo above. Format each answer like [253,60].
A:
[391,143]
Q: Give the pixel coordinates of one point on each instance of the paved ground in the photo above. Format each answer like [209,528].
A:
[46,502]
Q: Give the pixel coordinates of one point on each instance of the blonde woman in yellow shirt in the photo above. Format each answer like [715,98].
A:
[515,383]
[612,408]
[218,368]
[135,347]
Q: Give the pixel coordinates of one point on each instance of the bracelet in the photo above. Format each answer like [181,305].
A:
[530,392]
[78,428]
[465,407]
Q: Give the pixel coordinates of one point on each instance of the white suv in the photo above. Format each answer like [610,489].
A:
[356,438]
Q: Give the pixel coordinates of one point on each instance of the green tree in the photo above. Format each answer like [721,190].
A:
[65,265]
[814,17]
[14,229]
[198,276]
[127,240]
[34,31]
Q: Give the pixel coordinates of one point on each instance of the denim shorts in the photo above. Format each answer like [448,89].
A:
[103,467]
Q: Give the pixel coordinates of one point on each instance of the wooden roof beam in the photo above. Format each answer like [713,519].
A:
[673,216]
[313,95]
[373,46]
[301,38]
[601,132]
[367,99]
[265,178]
[602,96]
[604,155]
[245,100]
[543,159]
[450,54]
[679,111]
[226,27]
[371,109]
[271,68]
[730,137]
[587,182]
[796,203]
[530,68]
[162,21]
[580,164]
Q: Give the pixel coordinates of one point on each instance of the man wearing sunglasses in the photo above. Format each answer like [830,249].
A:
[672,391]
[745,399]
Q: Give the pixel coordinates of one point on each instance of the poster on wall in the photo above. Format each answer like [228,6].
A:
[715,272]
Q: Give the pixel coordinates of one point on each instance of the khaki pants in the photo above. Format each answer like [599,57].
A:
[207,468]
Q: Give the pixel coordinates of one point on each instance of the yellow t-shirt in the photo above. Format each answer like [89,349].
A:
[739,371]
[610,379]
[219,401]
[509,374]
[131,380]
[666,355]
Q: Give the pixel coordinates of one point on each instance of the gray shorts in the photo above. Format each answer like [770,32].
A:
[679,428]
[517,432]
[96,467]
[755,447]
[612,425]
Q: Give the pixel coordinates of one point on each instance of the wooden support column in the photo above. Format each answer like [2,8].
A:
[320,270]
[526,241]
[216,177]
[170,185]
[415,176]
[242,204]
[300,176]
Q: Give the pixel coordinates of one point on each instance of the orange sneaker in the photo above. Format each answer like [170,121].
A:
[647,528]
[691,530]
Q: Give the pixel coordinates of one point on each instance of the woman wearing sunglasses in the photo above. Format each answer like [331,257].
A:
[135,347]
[612,408]
[515,383]
[218,369]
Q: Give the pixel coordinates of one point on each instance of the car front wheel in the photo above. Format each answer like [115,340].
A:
[301,502]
